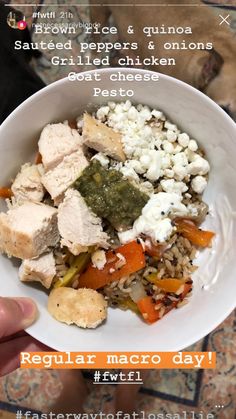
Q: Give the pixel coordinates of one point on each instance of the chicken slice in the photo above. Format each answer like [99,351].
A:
[84,307]
[27,185]
[28,230]
[57,141]
[41,269]
[58,180]
[79,227]
[102,138]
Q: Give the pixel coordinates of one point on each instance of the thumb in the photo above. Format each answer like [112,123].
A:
[16,314]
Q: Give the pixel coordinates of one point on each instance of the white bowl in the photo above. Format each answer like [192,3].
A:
[216,133]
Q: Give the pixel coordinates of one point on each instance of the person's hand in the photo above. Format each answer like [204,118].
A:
[16,314]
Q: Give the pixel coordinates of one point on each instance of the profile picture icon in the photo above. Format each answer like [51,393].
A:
[16,20]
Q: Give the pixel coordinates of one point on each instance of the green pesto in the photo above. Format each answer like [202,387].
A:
[110,195]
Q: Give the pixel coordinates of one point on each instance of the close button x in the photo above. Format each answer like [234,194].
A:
[224,20]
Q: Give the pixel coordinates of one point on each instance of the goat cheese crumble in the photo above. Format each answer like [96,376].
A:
[99,259]
[154,220]
[162,160]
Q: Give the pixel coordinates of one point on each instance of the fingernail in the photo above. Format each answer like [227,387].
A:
[28,308]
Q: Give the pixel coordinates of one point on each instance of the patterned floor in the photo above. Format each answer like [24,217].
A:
[164,391]
[173,391]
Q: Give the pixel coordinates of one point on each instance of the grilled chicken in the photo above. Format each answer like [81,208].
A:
[102,138]
[79,227]
[28,230]
[57,141]
[41,269]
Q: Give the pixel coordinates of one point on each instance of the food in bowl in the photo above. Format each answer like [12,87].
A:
[109,214]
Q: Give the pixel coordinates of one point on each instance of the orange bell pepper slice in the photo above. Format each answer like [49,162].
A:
[194,234]
[38,158]
[147,306]
[134,261]
[5,192]
[72,123]
[167,284]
